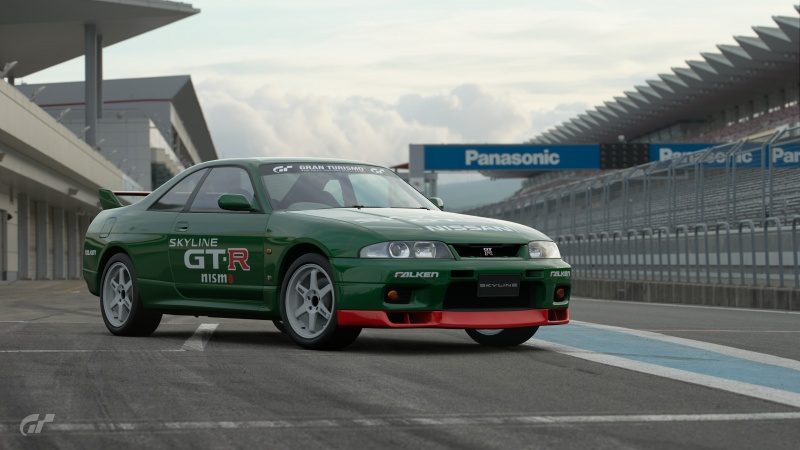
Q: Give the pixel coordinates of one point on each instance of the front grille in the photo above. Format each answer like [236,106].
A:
[464,296]
[487,250]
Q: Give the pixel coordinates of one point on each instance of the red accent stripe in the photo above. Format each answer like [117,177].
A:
[452,319]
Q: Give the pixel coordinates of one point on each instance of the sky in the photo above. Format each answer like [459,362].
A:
[364,78]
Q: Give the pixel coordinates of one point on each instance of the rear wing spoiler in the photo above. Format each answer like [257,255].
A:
[111,199]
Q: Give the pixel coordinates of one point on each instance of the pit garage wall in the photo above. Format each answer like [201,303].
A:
[48,191]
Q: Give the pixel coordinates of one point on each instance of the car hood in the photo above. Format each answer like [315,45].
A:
[416,224]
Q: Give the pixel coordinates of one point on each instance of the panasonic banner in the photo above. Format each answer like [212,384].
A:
[511,157]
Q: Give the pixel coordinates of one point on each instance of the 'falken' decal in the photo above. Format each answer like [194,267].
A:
[560,273]
[416,274]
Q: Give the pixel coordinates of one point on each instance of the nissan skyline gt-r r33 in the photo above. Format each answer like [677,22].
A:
[323,248]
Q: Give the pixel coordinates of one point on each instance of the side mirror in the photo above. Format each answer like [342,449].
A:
[438,202]
[234,202]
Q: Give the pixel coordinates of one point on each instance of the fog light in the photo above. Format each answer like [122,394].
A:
[560,294]
[392,296]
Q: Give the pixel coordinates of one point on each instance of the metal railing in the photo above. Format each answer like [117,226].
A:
[726,183]
[745,254]
[727,215]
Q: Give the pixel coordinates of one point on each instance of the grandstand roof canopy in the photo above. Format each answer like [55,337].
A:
[692,92]
[42,33]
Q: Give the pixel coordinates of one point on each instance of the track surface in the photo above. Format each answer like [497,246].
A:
[241,383]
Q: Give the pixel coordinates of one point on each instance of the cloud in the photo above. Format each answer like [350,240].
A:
[271,122]
[467,110]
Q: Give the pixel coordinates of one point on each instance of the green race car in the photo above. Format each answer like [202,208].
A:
[323,248]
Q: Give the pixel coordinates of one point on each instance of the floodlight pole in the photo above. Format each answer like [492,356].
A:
[93,91]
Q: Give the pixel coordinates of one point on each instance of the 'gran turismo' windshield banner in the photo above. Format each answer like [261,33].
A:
[318,167]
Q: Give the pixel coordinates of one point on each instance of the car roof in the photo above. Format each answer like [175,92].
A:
[282,160]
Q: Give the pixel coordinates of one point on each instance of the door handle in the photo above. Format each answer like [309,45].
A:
[182,226]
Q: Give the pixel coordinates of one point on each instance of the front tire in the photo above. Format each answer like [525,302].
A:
[120,304]
[308,306]
[508,337]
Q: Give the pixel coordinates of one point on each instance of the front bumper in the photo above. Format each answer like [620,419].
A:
[444,295]
[453,319]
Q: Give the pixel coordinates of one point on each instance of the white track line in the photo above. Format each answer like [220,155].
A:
[737,387]
[762,358]
[197,342]
[417,422]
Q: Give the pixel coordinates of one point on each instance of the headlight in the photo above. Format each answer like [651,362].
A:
[407,249]
[543,249]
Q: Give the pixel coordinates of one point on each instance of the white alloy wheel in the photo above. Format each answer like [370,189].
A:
[309,301]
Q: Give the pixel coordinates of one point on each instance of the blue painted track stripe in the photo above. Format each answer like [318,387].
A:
[672,355]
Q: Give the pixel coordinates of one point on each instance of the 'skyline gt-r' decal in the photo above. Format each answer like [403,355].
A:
[193,242]
[196,258]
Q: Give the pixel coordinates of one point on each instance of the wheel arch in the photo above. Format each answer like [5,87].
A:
[109,252]
[296,251]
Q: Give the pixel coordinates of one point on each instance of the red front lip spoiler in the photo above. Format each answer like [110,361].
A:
[452,319]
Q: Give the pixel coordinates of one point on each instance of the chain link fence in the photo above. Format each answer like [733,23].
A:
[727,214]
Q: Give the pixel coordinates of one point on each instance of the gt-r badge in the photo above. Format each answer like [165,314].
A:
[487,251]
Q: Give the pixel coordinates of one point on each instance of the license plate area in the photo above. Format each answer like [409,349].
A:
[498,285]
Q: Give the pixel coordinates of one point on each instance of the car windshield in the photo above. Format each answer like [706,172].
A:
[300,186]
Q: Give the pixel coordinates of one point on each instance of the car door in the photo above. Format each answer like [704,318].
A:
[216,255]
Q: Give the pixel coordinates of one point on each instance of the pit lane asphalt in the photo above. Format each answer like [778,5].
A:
[250,386]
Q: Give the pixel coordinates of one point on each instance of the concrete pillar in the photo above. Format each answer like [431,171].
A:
[58,244]
[416,167]
[22,236]
[99,67]
[73,258]
[3,245]
[42,223]
[92,83]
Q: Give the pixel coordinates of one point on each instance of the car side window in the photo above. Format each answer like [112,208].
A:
[222,180]
[175,198]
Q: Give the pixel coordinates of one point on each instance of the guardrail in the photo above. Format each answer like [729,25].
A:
[746,180]
[747,254]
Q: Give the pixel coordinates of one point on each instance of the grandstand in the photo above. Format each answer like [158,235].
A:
[745,189]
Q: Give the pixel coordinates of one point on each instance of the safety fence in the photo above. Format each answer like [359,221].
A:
[752,179]
[724,215]
[744,254]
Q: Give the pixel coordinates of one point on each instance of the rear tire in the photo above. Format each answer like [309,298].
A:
[308,306]
[508,337]
[120,304]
